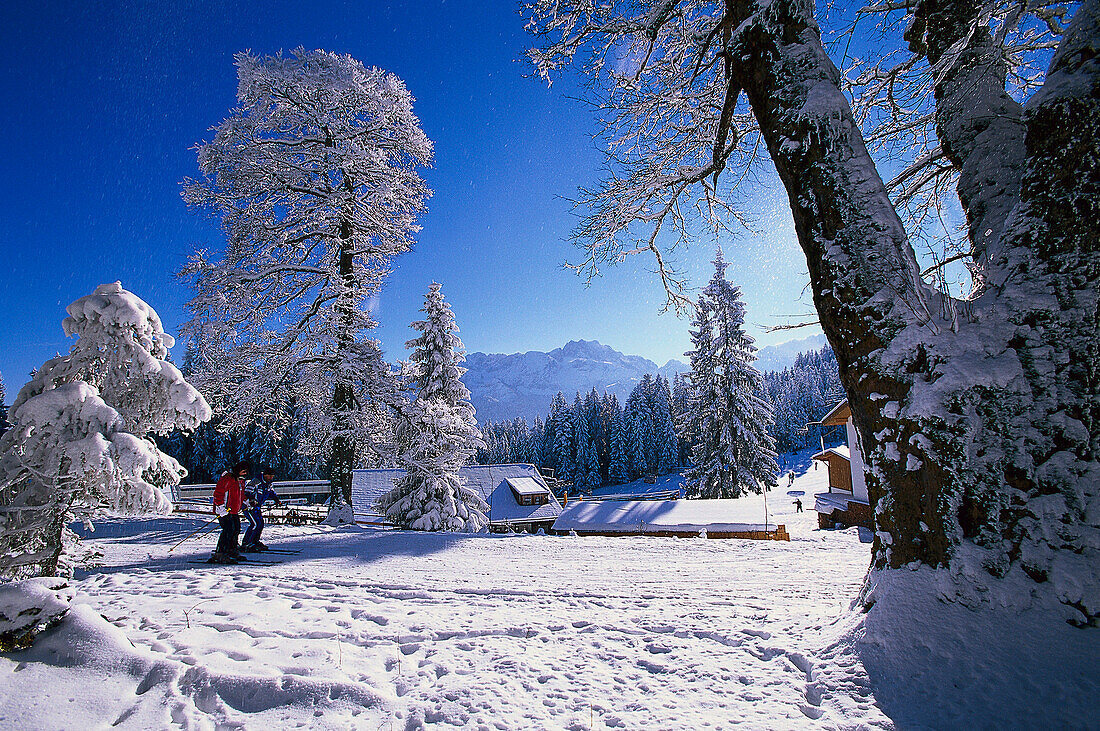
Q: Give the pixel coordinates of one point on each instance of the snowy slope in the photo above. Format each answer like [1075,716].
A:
[523,384]
[397,630]
[369,629]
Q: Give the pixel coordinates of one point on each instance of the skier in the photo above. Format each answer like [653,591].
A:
[790,478]
[228,494]
[798,505]
[256,494]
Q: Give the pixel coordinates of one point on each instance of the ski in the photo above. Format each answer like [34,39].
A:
[280,551]
[203,562]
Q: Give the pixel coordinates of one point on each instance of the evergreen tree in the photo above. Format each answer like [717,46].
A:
[565,445]
[538,454]
[635,452]
[734,454]
[82,428]
[587,472]
[681,399]
[437,433]
[617,471]
[668,459]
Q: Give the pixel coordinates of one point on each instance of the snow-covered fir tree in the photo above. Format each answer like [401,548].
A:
[586,474]
[81,430]
[563,448]
[668,454]
[438,433]
[635,451]
[617,471]
[314,176]
[431,496]
[681,398]
[734,453]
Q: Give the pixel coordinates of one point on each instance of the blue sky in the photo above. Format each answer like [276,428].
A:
[101,103]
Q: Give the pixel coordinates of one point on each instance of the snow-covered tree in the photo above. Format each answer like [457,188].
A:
[617,471]
[734,453]
[81,430]
[437,433]
[437,358]
[431,496]
[315,177]
[668,454]
[563,448]
[635,433]
[978,414]
[586,474]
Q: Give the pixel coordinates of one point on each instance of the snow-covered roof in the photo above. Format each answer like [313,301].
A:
[841,451]
[838,415]
[527,486]
[491,482]
[742,514]
[827,502]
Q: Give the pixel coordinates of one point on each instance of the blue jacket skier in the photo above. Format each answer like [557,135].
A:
[256,493]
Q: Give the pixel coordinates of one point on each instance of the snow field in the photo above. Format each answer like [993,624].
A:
[370,629]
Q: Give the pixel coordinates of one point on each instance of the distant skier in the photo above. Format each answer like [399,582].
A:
[798,505]
[228,498]
[790,478]
[256,493]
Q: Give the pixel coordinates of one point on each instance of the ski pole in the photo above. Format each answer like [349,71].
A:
[202,527]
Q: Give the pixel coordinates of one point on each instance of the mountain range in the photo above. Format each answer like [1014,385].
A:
[504,387]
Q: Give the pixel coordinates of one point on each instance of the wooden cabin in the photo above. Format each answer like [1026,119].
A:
[847,501]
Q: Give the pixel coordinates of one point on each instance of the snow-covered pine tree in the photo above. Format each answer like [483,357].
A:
[314,176]
[81,434]
[668,454]
[536,440]
[635,452]
[978,414]
[438,434]
[430,496]
[587,472]
[734,453]
[564,446]
[617,471]
[681,398]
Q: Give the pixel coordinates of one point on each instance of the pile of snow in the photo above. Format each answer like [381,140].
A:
[29,607]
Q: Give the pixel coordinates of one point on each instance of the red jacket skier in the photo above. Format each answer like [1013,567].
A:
[229,492]
[228,495]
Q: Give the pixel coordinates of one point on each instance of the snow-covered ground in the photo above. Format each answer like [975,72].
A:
[378,630]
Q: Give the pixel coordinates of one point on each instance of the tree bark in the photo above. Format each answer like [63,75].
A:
[343,452]
[980,127]
[946,405]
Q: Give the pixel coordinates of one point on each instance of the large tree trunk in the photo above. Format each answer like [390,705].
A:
[342,451]
[975,418]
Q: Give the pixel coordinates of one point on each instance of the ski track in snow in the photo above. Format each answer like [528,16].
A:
[381,630]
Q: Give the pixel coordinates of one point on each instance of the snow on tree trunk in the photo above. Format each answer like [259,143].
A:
[80,437]
[978,417]
[975,418]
